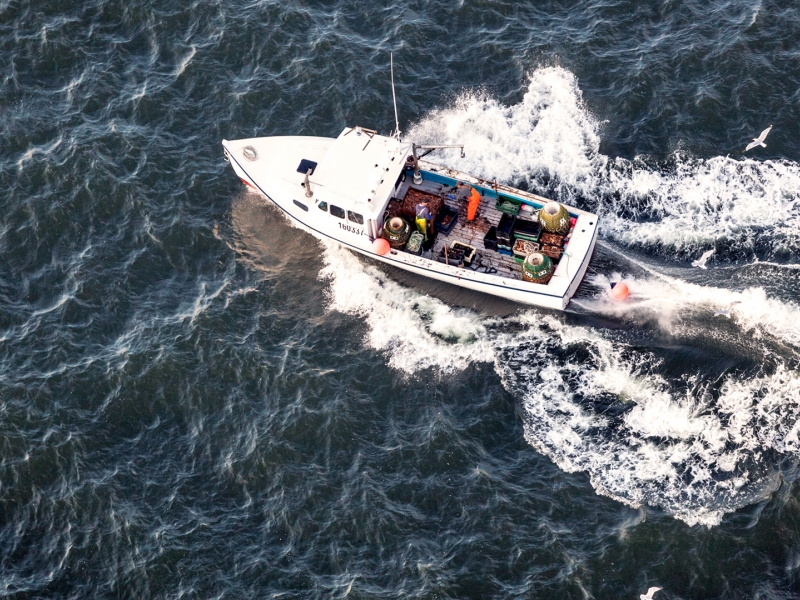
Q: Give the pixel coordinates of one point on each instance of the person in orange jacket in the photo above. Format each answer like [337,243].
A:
[473,199]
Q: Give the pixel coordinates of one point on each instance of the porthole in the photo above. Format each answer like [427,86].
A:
[301,205]
[337,212]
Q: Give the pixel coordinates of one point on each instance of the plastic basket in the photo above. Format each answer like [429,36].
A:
[446,220]
[490,239]
[508,205]
[469,251]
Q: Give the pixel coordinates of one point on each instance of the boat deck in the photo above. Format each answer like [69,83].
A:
[470,232]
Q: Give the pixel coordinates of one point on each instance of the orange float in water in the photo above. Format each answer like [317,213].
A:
[381,246]
[620,291]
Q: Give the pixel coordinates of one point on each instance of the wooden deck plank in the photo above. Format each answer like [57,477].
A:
[471,232]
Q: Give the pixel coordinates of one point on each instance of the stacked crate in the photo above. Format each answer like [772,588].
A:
[552,245]
[505,231]
[526,238]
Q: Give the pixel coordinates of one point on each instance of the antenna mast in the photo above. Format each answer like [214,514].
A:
[394,100]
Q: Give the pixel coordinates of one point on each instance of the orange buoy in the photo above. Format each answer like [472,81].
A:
[620,291]
[380,246]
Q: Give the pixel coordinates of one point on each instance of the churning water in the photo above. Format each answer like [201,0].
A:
[199,400]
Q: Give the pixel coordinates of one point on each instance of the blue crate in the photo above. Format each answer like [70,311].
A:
[446,211]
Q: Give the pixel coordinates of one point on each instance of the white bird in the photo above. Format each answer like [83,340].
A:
[701,262]
[649,594]
[727,310]
[759,141]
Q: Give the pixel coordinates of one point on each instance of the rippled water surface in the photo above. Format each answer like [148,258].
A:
[199,400]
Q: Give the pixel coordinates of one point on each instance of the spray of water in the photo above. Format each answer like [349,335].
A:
[592,402]
[415,330]
[693,451]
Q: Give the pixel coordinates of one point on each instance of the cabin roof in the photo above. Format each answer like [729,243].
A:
[361,166]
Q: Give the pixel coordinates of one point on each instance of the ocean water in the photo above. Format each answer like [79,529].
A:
[198,400]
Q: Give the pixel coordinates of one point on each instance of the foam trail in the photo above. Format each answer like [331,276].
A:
[698,203]
[640,441]
[678,306]
[672,302]
[641,438]
[592,402]
[416,331]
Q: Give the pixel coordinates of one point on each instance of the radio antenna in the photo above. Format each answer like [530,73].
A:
[394,100]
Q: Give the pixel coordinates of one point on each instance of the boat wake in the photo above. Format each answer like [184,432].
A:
[697,438]
[417,331]
[594,401]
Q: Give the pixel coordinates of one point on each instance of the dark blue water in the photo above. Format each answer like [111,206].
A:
[199,401]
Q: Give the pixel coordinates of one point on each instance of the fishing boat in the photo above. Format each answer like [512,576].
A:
[376,195]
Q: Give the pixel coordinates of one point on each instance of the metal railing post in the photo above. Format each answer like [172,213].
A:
[309,193]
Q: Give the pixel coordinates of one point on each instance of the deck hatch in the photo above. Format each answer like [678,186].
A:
[305,165]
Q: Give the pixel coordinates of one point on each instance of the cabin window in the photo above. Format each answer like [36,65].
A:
[301,205]
[323,206]
[355,217]
[337,212]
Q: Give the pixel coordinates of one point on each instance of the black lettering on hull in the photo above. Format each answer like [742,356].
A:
[351,229]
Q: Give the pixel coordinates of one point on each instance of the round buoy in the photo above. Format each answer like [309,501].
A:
[537,268]
[554,218]
[620,291]
[397,231]
[380,246]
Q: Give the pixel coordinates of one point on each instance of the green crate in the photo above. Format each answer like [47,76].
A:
[508,205]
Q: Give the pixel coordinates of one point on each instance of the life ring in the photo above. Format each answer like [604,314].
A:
[554,218]
[537,268]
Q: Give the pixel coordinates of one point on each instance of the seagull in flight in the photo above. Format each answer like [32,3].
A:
[701,262]
[649,594]
[727,310]
[759,141]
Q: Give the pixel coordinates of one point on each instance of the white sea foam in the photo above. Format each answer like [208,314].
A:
[700,202]
[549,133]
[692,455]
[673,446]
[678,305]
[592,402]
[415,330]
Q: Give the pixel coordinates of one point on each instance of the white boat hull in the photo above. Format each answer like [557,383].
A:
[288,194]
